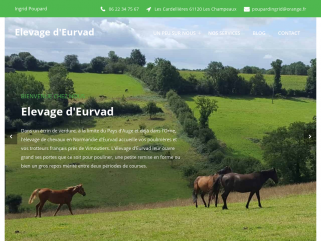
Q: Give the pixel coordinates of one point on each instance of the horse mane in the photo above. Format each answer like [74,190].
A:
[70,188]
[270,170]
[266,171]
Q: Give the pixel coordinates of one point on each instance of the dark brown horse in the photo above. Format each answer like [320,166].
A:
[244,183]
[55,196]
[204,185]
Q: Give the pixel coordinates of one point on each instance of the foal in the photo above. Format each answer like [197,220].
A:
[55,196]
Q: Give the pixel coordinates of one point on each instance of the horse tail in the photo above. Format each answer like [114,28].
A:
[216,185]
[34,195]
[195,190]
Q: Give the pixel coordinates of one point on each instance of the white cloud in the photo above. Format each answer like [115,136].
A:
[124,34]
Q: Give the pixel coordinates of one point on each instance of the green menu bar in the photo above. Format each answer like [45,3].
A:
[165,8]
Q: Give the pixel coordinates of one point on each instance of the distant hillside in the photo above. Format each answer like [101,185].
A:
[295,82]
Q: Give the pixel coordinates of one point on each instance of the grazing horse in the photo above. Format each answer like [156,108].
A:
[251,183]
[204,185]
[55,196]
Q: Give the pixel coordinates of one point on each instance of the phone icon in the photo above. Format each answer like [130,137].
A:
[102,9]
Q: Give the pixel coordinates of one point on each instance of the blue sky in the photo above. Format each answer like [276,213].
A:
[124,34]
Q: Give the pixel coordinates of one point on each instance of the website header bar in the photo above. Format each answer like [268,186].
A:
[166,8]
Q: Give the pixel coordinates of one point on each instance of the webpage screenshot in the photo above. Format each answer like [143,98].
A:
[159,121]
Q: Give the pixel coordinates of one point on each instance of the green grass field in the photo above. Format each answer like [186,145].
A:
[111,85]
[288,218]
[240,118]
[295,82]
[109,187]
[185,74]
[237,120]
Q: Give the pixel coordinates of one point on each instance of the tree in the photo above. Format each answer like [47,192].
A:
[13,55]
[75,67]
[277,67]
[44,66]
[300,68]
[24,55]
[6,58]
[54,104]
[16,85]
[289,151]
[190,126]
[80,118]
[151,108]
[214,71]
[115,68]
[150,66]
[98,64]
[113,58]
[206,107]
[91,103]
[136,57]
[206,134]
[247,70]
[72,63]
[60,84]
[297,68]
[16,63]
[311,84]
[258,85]
[229,82]
[166,76]
[13,201]
[31,63]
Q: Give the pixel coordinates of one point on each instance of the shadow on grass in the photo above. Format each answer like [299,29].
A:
[244,97]
[298,99]
[157,119]
[232,97]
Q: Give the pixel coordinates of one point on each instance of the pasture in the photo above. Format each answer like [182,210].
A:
[295,82]
[159,194]
[105,187]
[288,218]
[239,120]
[89,84]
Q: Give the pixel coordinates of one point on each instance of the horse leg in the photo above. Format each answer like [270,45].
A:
[248,202]
[258,198]
[69,206]
[37,207]
[216,199]
[196,202]
[202,196]
[58,209]
[224,197]
[40,208]
[195,197]
[209,199]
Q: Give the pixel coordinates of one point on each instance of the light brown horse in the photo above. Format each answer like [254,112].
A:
[55,196]
[204,185]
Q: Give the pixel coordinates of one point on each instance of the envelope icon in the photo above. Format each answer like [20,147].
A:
[247,9]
